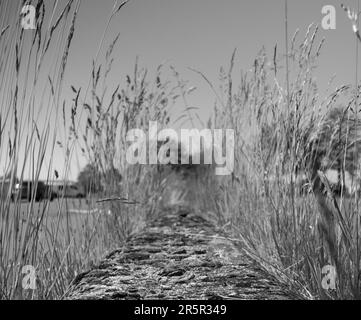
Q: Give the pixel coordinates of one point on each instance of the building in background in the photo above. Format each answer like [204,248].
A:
[66,189]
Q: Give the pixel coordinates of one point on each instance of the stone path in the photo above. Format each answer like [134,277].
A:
[179,255]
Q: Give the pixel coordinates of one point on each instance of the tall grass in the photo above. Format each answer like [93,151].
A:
[34,122]
[30,87]
[287,140]
[278,202]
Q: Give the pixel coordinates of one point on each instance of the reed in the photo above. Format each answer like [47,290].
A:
[34,122]
[279,200]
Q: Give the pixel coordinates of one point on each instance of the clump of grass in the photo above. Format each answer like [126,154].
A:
[25,239]
[285,141]
[49,236]
[109,119]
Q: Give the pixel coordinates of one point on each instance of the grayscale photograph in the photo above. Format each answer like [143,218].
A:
[180,154]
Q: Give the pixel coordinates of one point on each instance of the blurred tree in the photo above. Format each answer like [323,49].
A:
[90,179]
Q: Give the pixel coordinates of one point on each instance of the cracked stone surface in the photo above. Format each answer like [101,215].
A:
[179,255]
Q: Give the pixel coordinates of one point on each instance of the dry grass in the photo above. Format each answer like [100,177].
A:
[49,237]
[278,141]
[281,135]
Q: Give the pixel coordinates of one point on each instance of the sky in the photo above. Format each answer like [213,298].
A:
[202,34]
